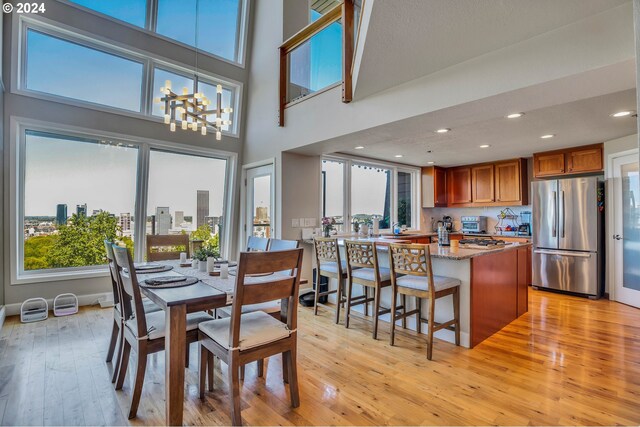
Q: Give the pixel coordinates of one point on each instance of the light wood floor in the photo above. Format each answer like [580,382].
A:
[568,361]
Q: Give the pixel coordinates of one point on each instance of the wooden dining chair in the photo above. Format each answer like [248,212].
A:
[363,269]
[329,265]
[144,332]
[257,244]
[412,275]
[117,331]
[247,337]
[166,247]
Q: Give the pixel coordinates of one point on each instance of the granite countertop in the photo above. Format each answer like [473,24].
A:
[457,254]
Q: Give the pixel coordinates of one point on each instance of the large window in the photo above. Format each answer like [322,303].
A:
[132,11]
[84,73]
[76,191]
[219,23]
[178,203]
[76,194]
[359,191]
[109,77]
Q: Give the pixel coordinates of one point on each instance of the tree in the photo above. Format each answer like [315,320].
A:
[209,240]
[80,242]
[36,250]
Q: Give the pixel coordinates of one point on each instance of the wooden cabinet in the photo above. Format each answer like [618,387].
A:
[577,160]
[585,160]
[502,183]
[548,164]
[434,187]
[459,186]
[509,179]
[482,184]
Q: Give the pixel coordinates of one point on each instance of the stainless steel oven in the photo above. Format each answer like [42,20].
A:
[474,224]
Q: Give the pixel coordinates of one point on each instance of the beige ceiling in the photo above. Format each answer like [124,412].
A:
[430,35]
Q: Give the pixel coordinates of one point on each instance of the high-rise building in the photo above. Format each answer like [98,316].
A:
[178,218]
[81,209]
[262,215]
[61,214]
[125,221]
[96,212]
[202,207]
[163,220]
[214,223]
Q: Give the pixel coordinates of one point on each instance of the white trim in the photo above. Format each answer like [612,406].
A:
[83,300]
[18,125]
[151,21]
[21,24]
[3,315]
[610,218]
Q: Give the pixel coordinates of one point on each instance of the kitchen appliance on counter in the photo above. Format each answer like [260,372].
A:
[448,223]
[567,235]
[474,224]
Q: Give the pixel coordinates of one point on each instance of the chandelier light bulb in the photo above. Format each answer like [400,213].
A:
[172,127]
[167,84]
[194,126]
[203,131]
[184,125]
[185,91]
[219,89]
[167,119]
[218,136]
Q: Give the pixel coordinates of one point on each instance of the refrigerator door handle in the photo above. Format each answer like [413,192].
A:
[555,212]
[563,253]
[562,213]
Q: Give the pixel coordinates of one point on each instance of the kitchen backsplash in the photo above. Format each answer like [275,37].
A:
[435,214]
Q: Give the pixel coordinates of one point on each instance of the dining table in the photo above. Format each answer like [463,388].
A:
[209,293]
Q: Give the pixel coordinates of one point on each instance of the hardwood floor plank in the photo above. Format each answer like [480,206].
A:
[567,361]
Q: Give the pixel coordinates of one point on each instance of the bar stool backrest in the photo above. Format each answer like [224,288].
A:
[411,259]
[361,254]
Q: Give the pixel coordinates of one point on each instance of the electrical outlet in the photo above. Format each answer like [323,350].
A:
[301,222]
[295,222]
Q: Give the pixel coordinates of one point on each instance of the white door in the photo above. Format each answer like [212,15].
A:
[259,202]
[626,236]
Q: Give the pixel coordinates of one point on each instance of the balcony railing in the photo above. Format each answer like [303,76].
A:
[316,58]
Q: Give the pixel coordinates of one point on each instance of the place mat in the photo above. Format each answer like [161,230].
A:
[159,269]
[169,282]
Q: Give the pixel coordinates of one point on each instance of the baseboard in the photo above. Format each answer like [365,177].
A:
[90,299]
[3,314]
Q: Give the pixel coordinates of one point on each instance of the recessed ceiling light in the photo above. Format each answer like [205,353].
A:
[550,135]
[443,130]
[485,146]
[514,115]
[398,155]
[359,147]
[623,113]
[430,163]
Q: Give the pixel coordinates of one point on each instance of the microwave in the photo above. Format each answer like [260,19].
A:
[474,224]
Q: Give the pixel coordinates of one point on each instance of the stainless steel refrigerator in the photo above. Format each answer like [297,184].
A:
[567,235]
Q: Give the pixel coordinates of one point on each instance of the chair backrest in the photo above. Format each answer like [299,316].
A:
[411,259]
[360,254]
[113,273]
[263,288]
[130,289]
[164,247]
[282,245]
[257,244]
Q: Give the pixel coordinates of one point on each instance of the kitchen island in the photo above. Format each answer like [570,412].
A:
[493,291]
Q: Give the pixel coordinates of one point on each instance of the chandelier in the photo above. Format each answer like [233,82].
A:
[193,110]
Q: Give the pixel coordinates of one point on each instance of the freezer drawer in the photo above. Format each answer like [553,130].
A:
[566,271]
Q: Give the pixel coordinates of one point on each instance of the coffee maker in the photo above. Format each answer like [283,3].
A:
[524,229]
[447,221]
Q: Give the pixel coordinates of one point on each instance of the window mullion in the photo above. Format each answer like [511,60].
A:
[142,190]
[152,14]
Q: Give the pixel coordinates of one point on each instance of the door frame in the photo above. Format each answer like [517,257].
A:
[242,223]
[610,219]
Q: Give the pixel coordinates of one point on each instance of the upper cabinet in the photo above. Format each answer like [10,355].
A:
[577,160]
[434,187]
[482,184]
[502,183]
[459,186]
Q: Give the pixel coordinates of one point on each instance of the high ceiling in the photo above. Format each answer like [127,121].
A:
[430,35]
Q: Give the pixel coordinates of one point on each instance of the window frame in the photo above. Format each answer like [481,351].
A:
[149,62]
[151,24]
[349,161]
[16,148]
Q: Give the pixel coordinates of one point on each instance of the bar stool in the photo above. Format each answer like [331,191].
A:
[414,263]
[363,269]
[329,265]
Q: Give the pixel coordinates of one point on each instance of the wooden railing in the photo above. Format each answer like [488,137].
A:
[344,12]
